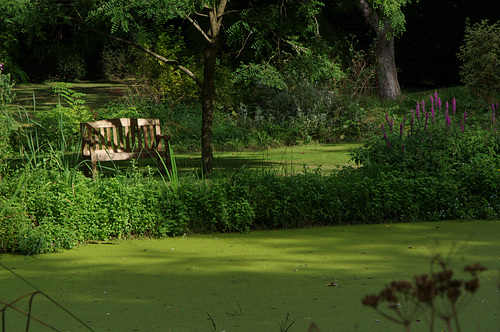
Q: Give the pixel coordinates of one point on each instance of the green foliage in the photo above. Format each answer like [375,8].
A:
[12,225]
[71,67]
[438,163]
[392,11]
[275,29]
[480,55]
[168,82]
[9,34]
[7,95]
[46,238]
[63,121]
[7,123]
[257,83]
[453,158]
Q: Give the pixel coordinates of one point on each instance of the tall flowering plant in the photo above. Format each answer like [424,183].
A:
[430,138]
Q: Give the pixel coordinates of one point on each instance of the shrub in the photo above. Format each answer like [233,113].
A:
[7,123]
[62,123]
[432,139]
[480,55]
[446,165]
[72,67]
[438,163]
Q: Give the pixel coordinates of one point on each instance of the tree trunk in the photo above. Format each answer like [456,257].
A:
[207,104]
[384,49]
[386,65]
[215,14]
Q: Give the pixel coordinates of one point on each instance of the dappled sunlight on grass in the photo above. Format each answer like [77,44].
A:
[289,160]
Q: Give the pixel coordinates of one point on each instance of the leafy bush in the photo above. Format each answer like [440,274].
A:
[453,156]
[439,137]
[480,55]
[7,124]
[439,163]
[71,67]
[63,121]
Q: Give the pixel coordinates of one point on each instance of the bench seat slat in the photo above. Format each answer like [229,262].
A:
[104,155]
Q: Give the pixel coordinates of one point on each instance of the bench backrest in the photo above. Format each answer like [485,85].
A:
[122,135]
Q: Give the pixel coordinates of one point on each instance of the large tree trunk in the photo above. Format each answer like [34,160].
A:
[386,66]
[384,49]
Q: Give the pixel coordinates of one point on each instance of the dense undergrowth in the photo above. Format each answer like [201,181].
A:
[438,163]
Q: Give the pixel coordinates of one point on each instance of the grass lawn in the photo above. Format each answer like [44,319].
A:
[284,160]
[97,94]
[251,282]
[287,160]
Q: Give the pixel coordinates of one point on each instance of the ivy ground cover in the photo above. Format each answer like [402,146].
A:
[251,282]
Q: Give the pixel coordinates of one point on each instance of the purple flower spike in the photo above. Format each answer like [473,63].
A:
[401,126]
[412,113]
[454,106]
[392,124]
[432,113]
[388,144]
[404,148]
[418,111]
[423,106]
[439,103]
[465,116]
[436,95]
[493,107]
[432,100]
[447,107]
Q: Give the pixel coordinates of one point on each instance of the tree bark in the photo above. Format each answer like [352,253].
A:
[384,48]
[215,14]
[207,105]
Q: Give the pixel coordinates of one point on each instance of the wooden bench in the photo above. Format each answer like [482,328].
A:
[124,139]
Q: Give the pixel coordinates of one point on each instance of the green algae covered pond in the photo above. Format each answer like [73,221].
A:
[252,282]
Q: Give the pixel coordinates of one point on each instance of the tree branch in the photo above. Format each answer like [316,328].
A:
[244,44]
[368,13]
[197,27]
[174,63]
[221,9]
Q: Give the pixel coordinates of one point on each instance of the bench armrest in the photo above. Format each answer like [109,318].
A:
[162,136]
[89,141]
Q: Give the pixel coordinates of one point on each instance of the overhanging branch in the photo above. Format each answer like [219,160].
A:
[173,63]
[197,27]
